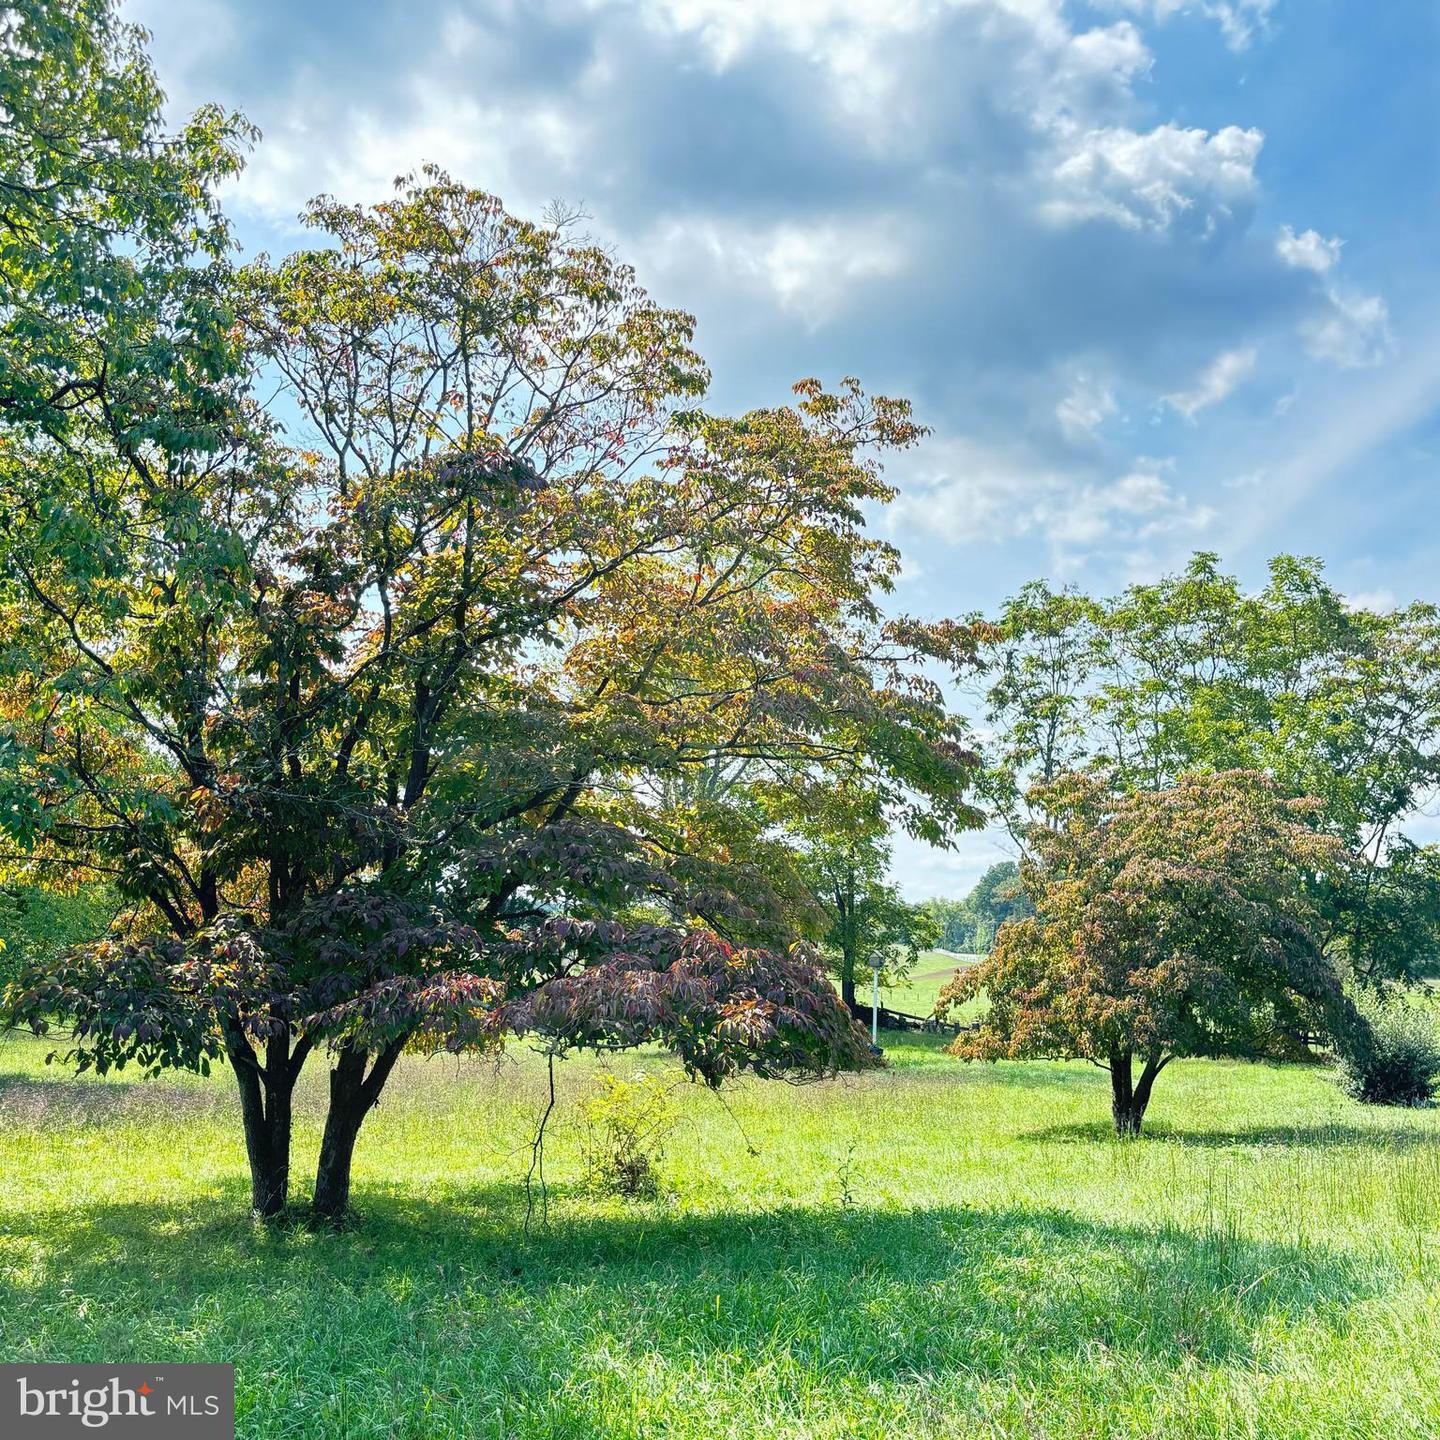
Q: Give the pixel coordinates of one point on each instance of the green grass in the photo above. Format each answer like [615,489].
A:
[939,1250]
[919,990]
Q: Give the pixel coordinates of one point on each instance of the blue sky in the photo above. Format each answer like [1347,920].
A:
[1160,274]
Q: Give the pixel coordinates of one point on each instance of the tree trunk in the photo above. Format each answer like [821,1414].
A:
[266,1098]
[1122,1094]
[847,991]
[352,1095]
[1130,1098]
[337,1152]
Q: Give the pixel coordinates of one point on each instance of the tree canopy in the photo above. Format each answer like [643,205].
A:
[1174,922]
[384,735]
[1192,672]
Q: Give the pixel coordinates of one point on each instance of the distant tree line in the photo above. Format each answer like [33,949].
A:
[969,926]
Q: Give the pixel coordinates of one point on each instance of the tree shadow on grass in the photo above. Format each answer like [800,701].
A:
[1323,1137]
[440,1290]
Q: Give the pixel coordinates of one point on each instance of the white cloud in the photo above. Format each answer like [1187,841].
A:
[1308,251]
[819,29]
[970,493]
[1086,407]
[808,269]
[1218,380]
[1348,329]
[1352,331]
[1137,507]
[1084,65]
[1239,20]
[1147,180]
[964,491]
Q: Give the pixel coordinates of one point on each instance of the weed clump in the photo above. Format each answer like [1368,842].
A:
[625,1124]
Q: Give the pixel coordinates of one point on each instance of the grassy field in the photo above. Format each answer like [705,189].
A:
[919,990]
[939,1250]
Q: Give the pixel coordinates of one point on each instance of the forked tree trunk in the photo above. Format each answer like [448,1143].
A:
[267,1142]
[1129,1097]
[342,1128]
[266,1106]
[353,1094]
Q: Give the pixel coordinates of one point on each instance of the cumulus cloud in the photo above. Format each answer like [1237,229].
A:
[1136,508]
[969,492]
[1151,179]
[1218,380]
[1308,251]
[810,269]
[822,29]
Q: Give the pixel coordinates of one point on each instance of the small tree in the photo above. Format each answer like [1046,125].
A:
[1170,923]
[844,859]
[1398,1062]
[1195,672]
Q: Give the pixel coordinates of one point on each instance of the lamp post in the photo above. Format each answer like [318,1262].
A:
[875,1001]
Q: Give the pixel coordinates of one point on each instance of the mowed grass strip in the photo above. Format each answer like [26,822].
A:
[938,1250]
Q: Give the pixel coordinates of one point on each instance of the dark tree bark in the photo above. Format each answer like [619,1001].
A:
[353,1093]
[266,1108]
[844,895]
[1129,1097]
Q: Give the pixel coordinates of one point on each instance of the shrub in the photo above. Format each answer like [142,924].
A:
[1398,1063]
[623,1140]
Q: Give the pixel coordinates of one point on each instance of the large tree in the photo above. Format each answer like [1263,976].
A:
[1168,923]
[374,730]
[1193,672]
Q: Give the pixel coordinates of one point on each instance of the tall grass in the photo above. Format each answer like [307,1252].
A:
[939,1250]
